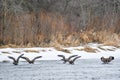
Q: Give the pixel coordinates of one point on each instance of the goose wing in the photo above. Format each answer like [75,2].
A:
[62,56]
[27,59]
[72,56]
[19,57]
[36,58]
[12,58]
[76,58]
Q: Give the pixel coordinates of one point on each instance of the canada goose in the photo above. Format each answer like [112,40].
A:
[72,61]
[31,61]
[107,60]
[15,61]
[66,59]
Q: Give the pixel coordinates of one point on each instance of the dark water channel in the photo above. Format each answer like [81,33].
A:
[84,69]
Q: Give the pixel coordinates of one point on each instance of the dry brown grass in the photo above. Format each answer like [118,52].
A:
[63,50]
[51,29]
[110,43]
[105,37]
[74,39]
[79,49]
[111,49]
[101,48]
[118,46]
[8,46]
[89,49]
[5,52]
[31,51]
[86,36]
[16,52]
[43,50]
[12,46]
[105,49]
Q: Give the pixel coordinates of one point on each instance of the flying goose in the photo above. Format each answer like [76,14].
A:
[15,61]
[31,61]
[107,60]
[66,59]
[72,61]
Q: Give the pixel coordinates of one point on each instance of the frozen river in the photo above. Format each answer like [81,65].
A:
[84,69]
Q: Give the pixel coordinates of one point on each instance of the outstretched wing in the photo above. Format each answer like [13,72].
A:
[62,56]
[27,59]
[36,58]
[76,58]
[19,57]
[72,56]
[12,58]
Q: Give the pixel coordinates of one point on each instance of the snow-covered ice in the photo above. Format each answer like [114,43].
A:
[51,53]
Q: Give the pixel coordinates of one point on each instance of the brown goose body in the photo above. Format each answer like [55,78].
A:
[107,60]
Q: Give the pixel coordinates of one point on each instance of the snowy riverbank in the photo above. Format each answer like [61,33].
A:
[51,53]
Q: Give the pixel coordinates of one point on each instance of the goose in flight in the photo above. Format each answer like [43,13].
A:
[66,59]
[107,60]
[15,61]
[72,61]
[31,61]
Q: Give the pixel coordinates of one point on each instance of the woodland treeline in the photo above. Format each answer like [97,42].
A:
[63,22]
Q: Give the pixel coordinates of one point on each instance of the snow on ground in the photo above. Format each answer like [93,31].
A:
[51,53]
